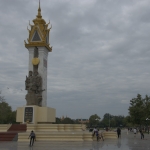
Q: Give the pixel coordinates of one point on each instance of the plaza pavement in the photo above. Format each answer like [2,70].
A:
[127,142]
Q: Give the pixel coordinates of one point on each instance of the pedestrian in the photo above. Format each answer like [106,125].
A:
[134,130]
[118,132]
[32,138]
[94,130]
[97,135]
[101,135]
[127,130]
[142,134]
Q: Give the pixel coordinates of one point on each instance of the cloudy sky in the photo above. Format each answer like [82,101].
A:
[100,58]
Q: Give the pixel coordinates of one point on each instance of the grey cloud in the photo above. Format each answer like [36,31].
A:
[100,54]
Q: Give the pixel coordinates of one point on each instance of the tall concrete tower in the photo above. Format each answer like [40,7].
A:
[36,110]
[38,46]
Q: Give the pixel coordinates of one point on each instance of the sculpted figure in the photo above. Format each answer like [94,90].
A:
[28,81]
[33,84]
[37,83]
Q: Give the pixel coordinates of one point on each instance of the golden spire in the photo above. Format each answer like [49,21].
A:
[39,11]
[39,32]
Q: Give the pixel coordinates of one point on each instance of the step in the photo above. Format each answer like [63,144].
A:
[18,127]
[12,132]
[7,136]
[57,136]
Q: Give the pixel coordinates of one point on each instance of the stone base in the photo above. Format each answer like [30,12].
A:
[61,132]
[56,132]
[35,114]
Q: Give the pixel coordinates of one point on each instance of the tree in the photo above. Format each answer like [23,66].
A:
[94,120]
[58,121]
[119,121]
[139,109]
[67,121]
[127,121]
[112,121]
[6,113]
[2,99]
[106,119]
[13,117]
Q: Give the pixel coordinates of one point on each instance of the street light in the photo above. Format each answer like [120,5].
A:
[109,121]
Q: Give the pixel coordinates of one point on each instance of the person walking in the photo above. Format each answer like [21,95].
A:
[142,134]
[32,138]
[94,130]
[101,135]
[97,134]
[134,130]
[119,132]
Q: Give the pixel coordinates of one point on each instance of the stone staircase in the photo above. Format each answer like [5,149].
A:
[56,132]
[49,132]
[61,132]
[12,133]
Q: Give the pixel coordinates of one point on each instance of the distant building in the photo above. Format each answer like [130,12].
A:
[83,121]
[62,118]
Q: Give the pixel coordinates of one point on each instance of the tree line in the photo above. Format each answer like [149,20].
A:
[139,114]
[139,110]
[6,113]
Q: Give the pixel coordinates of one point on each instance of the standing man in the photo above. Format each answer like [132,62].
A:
[118,132]
[32,138]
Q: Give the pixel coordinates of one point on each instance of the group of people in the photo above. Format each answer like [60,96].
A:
[98,134]
[135,131]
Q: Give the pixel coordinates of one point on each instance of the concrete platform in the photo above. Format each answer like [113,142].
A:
[127,142]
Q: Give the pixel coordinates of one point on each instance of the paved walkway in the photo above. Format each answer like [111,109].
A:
[127,142]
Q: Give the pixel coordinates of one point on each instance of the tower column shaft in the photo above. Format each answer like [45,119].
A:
[42,69]
[31,55]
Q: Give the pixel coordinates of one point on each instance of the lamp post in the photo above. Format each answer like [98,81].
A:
[109,121]
[110,117]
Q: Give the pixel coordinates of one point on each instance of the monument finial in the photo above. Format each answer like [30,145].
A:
[39,5]
[39,11]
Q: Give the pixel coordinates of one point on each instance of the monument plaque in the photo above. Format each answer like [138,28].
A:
[28,114]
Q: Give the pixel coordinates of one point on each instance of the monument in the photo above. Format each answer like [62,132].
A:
[36,110]
[36,115]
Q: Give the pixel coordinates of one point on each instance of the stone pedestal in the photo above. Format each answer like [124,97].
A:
[35,114]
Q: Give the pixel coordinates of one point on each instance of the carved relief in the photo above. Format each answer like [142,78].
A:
[33,85]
